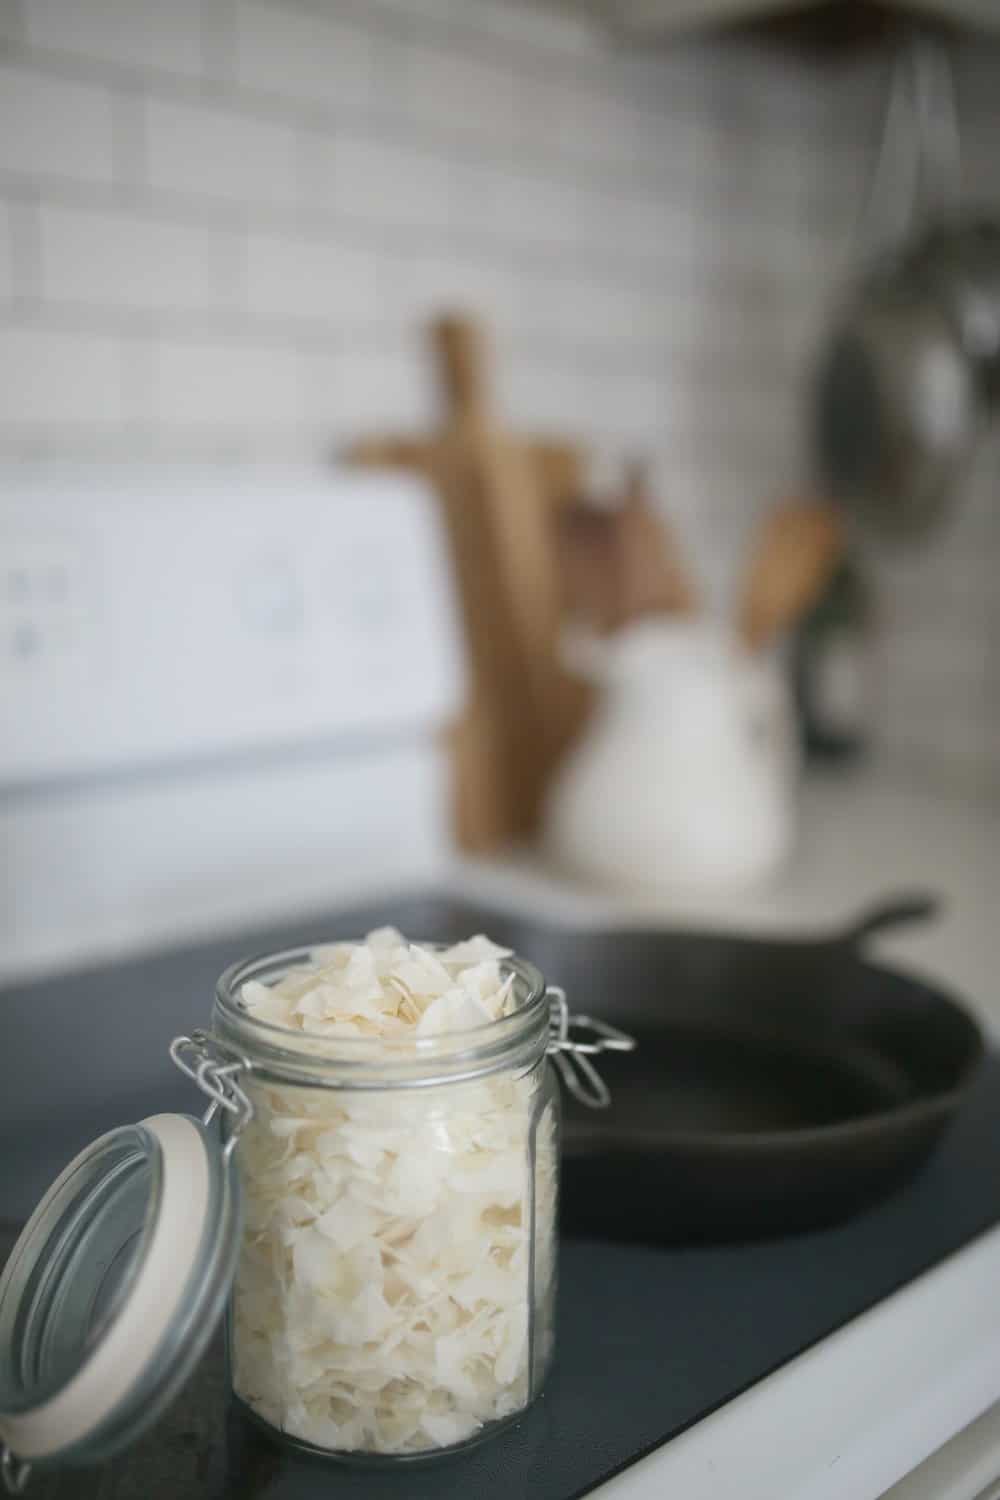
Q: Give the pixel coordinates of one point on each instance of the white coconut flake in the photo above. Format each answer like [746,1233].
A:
[455,1010]
[353,983]
[382,1299]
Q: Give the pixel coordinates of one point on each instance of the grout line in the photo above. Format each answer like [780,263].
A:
[167,440]
[702,368]
[136,373]
[218,40]
[128,145]
[26,249]
[306,377]
[656,272]
[462,41]
[230,271]
[12,27]
[614,176]
[57,439]
[306,174]
[185,85]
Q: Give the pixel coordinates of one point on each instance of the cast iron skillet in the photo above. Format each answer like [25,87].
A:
[777,1085]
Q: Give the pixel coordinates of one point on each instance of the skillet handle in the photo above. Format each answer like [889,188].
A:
[896,911]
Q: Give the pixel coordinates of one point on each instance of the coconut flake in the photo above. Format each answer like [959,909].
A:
[455,1010]
[389,983]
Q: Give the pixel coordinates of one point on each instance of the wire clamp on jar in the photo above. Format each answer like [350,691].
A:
[216,1068]
[14,1471]
[571,1053]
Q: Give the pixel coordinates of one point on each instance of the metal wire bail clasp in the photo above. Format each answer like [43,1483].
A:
[571,1054]
[14,1471]
[216,1068]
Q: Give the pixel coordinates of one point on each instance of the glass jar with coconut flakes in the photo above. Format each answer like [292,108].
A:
[372,1191]
[397,1127]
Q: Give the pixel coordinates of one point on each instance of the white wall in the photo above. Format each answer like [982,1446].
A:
[223,222]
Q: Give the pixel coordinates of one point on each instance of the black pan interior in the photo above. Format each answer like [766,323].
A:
[687,1079]
[738,1036]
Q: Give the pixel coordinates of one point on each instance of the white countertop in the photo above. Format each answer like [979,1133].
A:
[887,1400]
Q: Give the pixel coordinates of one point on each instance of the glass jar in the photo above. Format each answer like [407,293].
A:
[383,1209]
[395,1287]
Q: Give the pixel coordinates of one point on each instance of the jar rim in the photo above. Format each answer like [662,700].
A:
[469,1051]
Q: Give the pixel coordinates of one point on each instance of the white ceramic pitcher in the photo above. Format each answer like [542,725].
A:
[686,778]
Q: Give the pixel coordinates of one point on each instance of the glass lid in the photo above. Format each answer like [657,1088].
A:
[113,1291]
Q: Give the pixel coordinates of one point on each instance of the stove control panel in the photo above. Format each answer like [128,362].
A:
[154,615]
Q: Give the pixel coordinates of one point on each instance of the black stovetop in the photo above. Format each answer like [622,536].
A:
[650,1340]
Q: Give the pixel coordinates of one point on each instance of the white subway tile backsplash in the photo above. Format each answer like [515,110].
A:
[964,744]
[612,132]
[533,27]
[229,387]
[53,126]
[221,153]
[465,97]
[602,315]
[919,591]
[10,20]
[122,260]
[310,56]
[571,120]
[442,12]
[541,396]
[650,228]
[644,239]
[387,182]
[320,382]
[531,208]
[362,392]
[138,33]
[640,409]
[6,253]
[414,288]
[316,280]
[51,380]
[229,222]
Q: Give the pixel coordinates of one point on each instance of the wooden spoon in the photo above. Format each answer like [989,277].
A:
[794,555]
[655,580]
[621,562]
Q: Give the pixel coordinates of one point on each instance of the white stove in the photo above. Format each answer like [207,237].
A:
[222,701]
[222,697]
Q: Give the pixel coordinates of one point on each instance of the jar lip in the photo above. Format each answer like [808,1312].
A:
[317,1048]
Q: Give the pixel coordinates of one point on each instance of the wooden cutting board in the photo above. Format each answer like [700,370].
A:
[500,497]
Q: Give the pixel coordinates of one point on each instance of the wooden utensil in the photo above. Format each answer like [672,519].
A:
[499,496]
[794,555]
[622,562]
[655,580]
[495,511]
[559,465]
